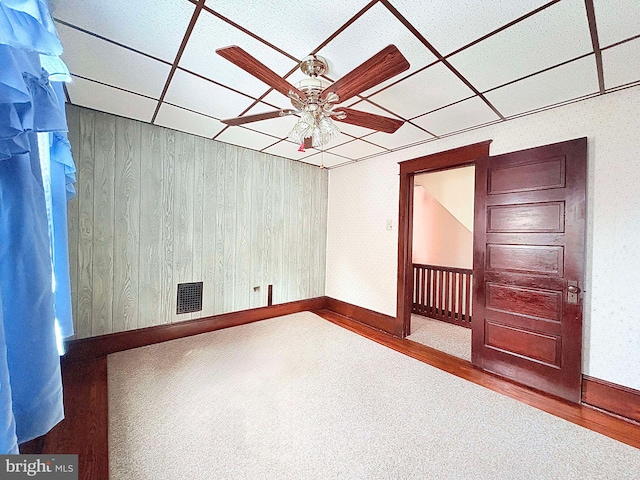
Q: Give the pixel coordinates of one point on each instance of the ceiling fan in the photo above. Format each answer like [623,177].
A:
[316,100]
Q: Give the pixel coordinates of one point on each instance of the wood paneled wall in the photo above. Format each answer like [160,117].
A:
[157,207]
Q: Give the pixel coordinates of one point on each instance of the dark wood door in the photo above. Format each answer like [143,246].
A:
[528,266]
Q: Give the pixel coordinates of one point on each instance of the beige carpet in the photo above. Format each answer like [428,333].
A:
[298,397]
[446,337]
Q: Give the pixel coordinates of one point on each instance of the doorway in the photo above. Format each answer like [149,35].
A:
[529,228]
[443,210]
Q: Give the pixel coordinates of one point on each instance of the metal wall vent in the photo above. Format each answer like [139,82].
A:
[189,297]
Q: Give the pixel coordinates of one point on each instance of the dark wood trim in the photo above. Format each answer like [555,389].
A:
[174,66]
[362,315]
[601,422]
[591,17]
[451,158]
[270,295]
[617,399]
[87,349]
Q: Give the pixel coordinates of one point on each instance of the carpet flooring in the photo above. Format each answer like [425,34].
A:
[446,337]
[298,397]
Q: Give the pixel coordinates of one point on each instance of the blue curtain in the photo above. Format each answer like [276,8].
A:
[32,222]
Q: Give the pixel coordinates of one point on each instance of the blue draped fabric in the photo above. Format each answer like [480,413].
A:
[33,241]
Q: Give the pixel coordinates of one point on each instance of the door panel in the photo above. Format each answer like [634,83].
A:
[528,245]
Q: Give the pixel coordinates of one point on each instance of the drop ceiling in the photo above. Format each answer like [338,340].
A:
[473,62]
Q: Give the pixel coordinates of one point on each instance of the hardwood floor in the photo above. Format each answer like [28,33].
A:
[85,429]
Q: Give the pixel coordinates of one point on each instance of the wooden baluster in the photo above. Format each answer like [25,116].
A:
[468,298]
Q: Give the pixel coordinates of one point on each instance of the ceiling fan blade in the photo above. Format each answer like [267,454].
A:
[257,117]
[384,65]
[368,120]
[242,59]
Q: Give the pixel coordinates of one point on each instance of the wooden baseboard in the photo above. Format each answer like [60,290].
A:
[617,399]
[87,349]
[379,321]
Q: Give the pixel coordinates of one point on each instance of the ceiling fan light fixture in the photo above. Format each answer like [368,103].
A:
[321,130]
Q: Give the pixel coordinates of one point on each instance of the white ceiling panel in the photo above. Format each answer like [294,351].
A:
[288,149]
[97,59]
[327,159]
[246,138]
[621,64]
[356,149]
[616,20]
[451,24]
[465,114]
[557,34]
[111,100]
[347,50]
[407,134]
[560,84]
[314,22]
[155,27]
[202,96]
[432,88]
[211,33]
[187,121]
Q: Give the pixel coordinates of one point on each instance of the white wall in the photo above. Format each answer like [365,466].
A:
[362,255]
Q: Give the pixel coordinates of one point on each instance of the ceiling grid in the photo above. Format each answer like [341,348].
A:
[472,63]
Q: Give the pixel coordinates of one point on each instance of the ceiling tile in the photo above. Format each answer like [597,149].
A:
[327,159]
[407,134]
[288,149]
[344,56]
[111,100]
[202,96]
[165,22]
[451,24]
[211,33]
[466,114]
[616,20]
[314,22]
[99,60]
[356,149]
[621,65]
[432,88]
[246,138]
[560,84]
[557,34]
[187,121]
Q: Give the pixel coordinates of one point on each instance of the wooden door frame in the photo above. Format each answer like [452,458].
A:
[456,157]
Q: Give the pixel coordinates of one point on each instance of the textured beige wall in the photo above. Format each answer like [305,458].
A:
[362,255]
[157,207]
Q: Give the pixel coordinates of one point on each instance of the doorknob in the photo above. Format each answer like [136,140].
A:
[572,292]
